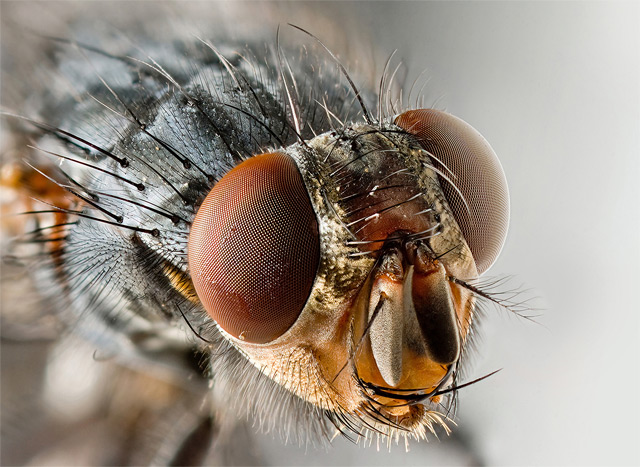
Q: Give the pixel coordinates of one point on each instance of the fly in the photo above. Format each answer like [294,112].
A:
[250,206]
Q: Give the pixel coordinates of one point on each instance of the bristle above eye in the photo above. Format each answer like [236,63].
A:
[456,148]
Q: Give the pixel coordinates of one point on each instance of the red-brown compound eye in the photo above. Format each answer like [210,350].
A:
[461,154]
[254,248]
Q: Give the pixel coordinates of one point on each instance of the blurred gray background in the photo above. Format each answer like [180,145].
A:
[554,87]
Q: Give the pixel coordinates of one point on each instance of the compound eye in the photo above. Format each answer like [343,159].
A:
[254,248]
[472,170]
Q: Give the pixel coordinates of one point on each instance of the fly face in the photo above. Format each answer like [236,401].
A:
[338,266]
[322,260]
